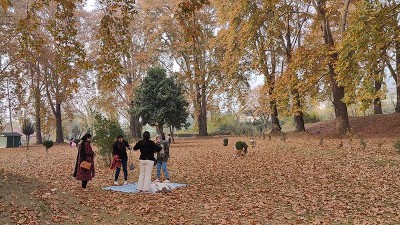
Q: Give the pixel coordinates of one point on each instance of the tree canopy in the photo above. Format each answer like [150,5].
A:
[159,100]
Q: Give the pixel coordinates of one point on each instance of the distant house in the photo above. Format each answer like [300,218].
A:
[10,139]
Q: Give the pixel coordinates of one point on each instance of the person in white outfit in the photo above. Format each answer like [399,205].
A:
[147,149]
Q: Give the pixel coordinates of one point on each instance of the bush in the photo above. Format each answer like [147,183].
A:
[225,141]
[241,145]
[106,132]
[396,145]
[47,144]
[311,117]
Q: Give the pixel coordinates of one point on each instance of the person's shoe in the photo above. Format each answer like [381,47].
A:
[166,181]
[126,182]
[157,180]
[116,183]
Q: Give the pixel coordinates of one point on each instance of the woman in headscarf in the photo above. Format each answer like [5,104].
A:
[85,153]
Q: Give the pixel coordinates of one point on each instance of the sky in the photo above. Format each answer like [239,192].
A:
[90,5]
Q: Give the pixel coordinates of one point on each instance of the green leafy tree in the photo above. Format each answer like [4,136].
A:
[28,129]
[106,131]
[47,144]
[160,101]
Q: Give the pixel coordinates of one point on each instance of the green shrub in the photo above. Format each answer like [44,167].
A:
[225,141]
[47,144]
[311,117]
[106,132]
[396,145]
[28,129]
[241,145]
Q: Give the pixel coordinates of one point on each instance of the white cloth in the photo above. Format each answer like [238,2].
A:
[146,167]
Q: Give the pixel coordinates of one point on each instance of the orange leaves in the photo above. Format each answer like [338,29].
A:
[293,182]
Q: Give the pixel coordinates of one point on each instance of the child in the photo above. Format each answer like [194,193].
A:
[162,158]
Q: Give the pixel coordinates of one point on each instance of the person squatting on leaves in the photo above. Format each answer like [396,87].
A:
[162,157]
[85,153]
[147,149]
[120,154]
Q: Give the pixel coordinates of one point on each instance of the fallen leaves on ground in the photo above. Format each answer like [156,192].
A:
[296,181]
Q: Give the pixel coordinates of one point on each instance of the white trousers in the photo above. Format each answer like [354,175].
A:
[146,167]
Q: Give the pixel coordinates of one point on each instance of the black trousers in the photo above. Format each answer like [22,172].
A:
[84,184]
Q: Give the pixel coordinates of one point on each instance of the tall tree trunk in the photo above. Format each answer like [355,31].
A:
[397,79]
[202,112]
[276,127]
[171,134]
[200,88]
[298,116]
[38,126]
[203,131]
[377,100]
[160,129]
[134,126]
[59,131]
[9,105]
[342,118]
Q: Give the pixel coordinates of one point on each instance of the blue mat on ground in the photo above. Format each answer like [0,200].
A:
[154,187]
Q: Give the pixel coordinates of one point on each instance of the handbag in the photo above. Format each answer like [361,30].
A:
[85,165]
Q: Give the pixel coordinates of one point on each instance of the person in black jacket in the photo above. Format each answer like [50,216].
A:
[146,160]
[119,151]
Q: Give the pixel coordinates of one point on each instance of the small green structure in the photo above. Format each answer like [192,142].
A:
[10,139]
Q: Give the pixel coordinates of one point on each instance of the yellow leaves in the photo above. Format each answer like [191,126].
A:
[5,4]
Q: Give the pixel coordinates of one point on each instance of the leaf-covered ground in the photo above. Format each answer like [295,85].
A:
[296,181]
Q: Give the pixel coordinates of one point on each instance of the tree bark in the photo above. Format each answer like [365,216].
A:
[160,128]
[276,127]
[202,113]
[134,126]
[38,122]
[9,105]
[171,134]
[342,118]
[377,100]
[59,131]
[298,116]
[397,79]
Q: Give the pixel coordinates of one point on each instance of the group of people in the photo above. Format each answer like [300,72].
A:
[147,160]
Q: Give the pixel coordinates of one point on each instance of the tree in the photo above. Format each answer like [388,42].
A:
[28,129]
[31,54]
[119,58]
[106,131]
[251,40]
[324,17]
[68,60]
[197,57]
[160,101]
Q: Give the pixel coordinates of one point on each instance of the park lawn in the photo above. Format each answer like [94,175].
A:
[299,180]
